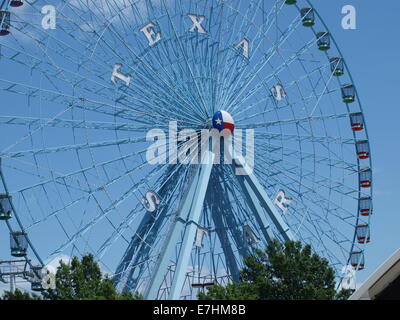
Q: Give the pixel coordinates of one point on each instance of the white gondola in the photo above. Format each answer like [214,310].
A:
[5,207]
[4,23]
[337,66]
[365,177]
[348,93]
[307,17]
[16,3]
[362,148]
[363,233]
[365,205]
[357,121]
[18,244]
[323,40]
[357,260]
[37,278]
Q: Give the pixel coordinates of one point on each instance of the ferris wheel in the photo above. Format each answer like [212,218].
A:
[89,91]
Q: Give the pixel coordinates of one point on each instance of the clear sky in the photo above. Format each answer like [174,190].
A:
[372,53]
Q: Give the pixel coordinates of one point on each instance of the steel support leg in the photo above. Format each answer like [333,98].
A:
[132,254]
[131,266]
[186,222]
[258,199]
[220,229]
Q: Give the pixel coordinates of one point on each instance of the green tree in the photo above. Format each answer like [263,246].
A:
[288,271]
[79,280]
[19,295]
[83,280]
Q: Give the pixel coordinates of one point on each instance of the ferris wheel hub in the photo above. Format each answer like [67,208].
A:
[223,122]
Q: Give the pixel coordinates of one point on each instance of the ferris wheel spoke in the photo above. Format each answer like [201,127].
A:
[127,112]
[306,138]
[172,25]
[67,212]
[312,139]
[269,148]
[286,65]
[144,232]
[242,85]
[321,181]
[319,236]
[69,176]
[221,70]
[241,72]
[142,89]
[105,212]
[63,176]
[89,194]
[317,81]
[165,105]
[216,74]
[160,220]
[126,224]
[122,228]
[290,121]
[316,234]
[164,52]
[150,68]
[237,216]
[328,234]
[344,218]
[35,152]
[103,188]
[60,181]
[81,81]
[62,50]
[250,220]
[221,230]
[266,100]
[324,120]
[299,215]
[145,242]
[70,100]
[92,188]
[206,52]
[244,29]
[319,199]
[239,100]
[172,78]
[73,124]
[55,71]
[55,213]
[213,51]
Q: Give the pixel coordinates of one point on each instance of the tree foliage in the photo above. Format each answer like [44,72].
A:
[288,271]
[83,280]
[19,295]
[78,280]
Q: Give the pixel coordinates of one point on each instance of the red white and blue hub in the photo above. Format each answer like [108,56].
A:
[223,120]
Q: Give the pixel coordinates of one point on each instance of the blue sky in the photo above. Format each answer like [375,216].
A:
[372,53]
